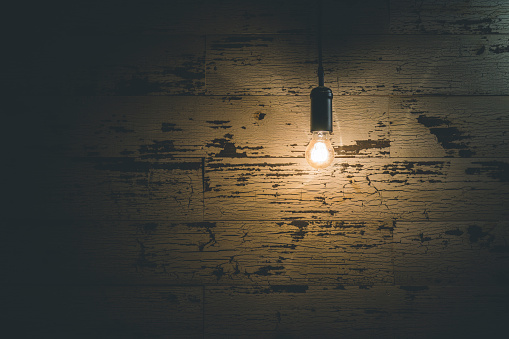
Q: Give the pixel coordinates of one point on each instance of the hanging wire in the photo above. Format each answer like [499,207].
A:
[320,67]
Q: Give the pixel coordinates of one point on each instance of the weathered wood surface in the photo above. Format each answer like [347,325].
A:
[357,189]
[449,17]
[114,199]
[274,17]
[406,64]
[449,126]
[358,65]
[260,189]
[451,253]
[261,126]
[256,252]
[210,253]
[107,65]
[297,311]
[253,189]
[102,311]
[171,127]
[107,189]
[261,65]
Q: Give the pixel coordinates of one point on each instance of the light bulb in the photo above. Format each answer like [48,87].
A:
[319,153]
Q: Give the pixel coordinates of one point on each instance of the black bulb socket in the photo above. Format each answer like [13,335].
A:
[321,109]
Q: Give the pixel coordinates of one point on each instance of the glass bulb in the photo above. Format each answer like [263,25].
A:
[319,153]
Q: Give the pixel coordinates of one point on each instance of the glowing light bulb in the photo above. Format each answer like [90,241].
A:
[319,153]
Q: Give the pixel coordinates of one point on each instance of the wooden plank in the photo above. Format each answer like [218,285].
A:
[103,311]
[261,65]
[197,17]
[357,189]
[358,65]
[451,253]
[298,311]
[222,252]
[355,17]
[450,311]
[449,126]
[107,65]
[409,64]
[168,127]
[449,17]
[106,188]
[200,17]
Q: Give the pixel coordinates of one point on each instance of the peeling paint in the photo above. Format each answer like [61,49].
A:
[456,232]
[266,270]
[289,288]
[362,145]
[497,49]
[133,165]
[169,127]
[497,170]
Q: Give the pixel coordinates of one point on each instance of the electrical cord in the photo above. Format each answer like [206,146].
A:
[320,67]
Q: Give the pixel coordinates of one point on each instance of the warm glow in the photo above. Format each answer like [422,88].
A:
[319,153]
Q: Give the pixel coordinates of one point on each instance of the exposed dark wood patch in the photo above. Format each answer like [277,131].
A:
[449,126]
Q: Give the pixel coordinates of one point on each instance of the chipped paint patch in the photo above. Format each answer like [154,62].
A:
[446,135]
[497,170]
[361,145]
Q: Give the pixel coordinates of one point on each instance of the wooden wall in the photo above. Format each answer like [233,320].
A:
[155,182]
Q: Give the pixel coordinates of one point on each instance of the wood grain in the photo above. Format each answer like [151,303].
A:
[451,253]
[354,311]
[449,17]
[449,126]
[103,311]
[356,189]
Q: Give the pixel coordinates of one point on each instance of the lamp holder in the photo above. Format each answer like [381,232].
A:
[321,109]
[321,96]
